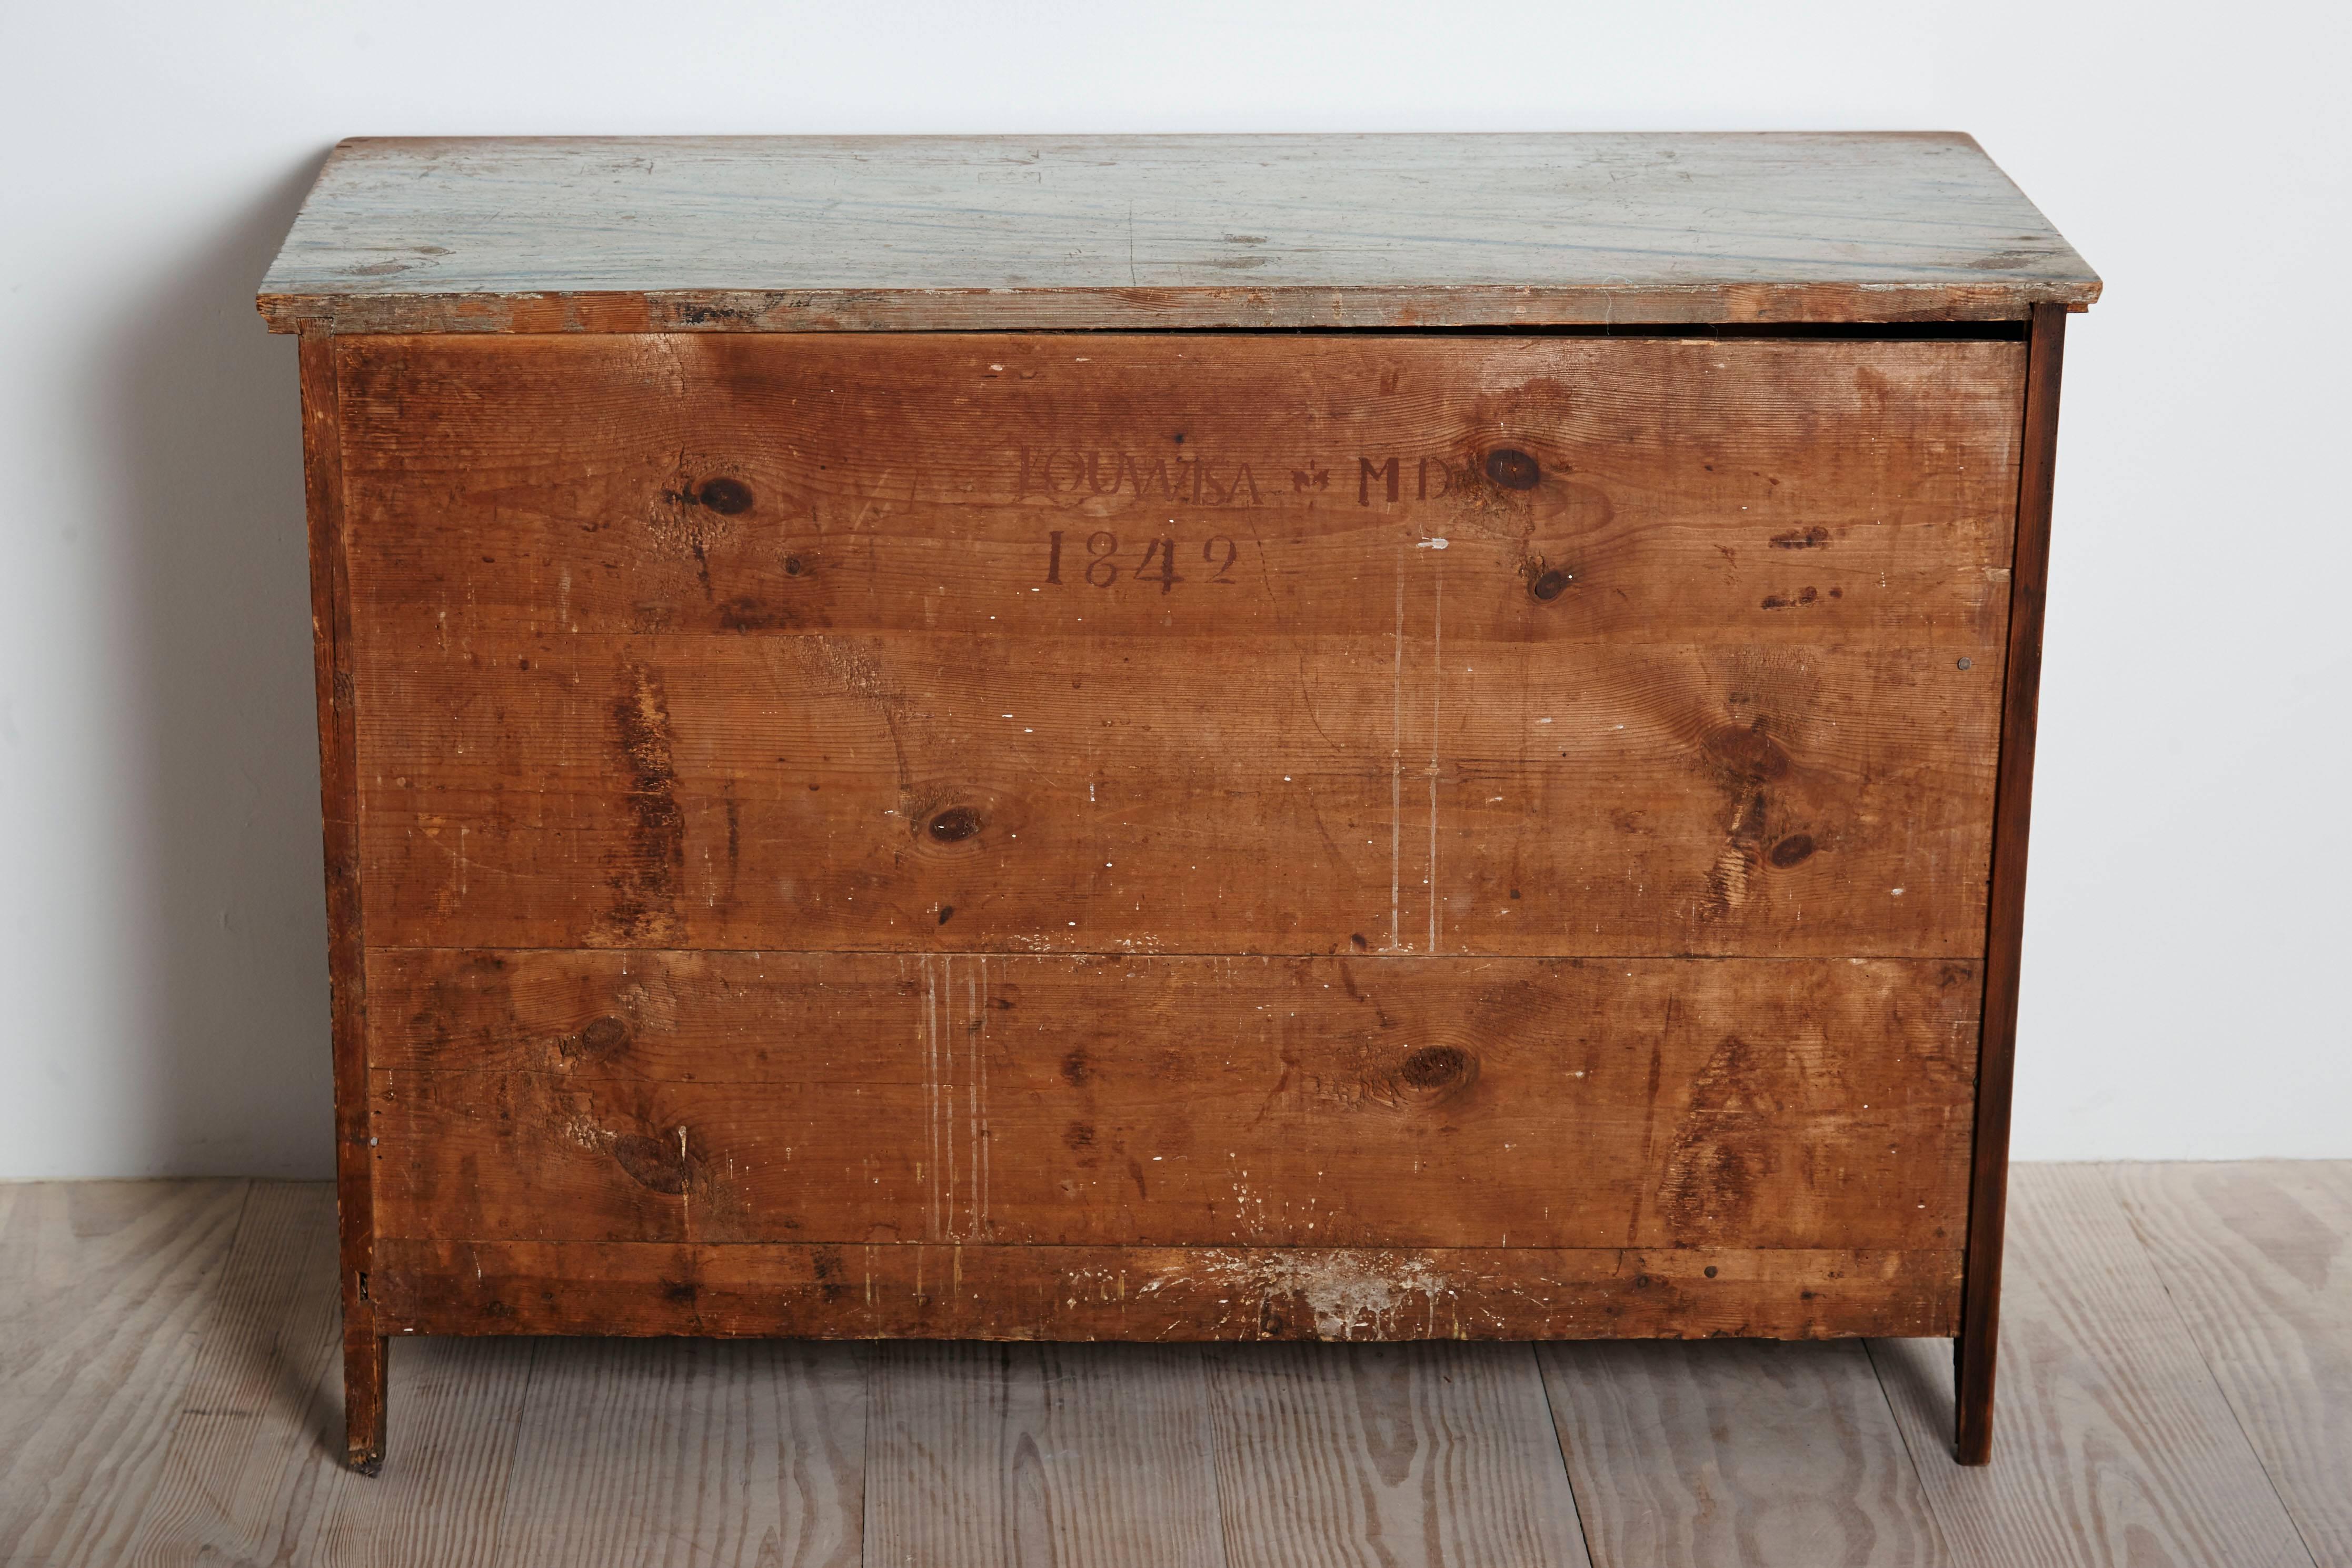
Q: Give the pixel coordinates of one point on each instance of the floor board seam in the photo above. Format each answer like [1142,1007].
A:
[2115,1190]
[1559,1444]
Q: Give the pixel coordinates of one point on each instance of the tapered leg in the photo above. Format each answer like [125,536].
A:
[1973,1357]
[363,1386]
[2013,812]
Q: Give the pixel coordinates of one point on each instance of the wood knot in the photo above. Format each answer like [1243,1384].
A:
[954,824]
[604,1037]
[1794,849]
[728,497]
[1551,585]
[658,1164]
[1512,468]
[1434,1073]
[1745,754]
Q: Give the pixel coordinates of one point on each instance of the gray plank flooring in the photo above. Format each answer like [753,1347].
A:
[2112,1442]
[2176,1390]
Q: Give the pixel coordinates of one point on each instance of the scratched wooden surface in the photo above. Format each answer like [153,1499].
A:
[169,1395]
[1549,647]
[594,1096]
[790,817]
[819,232]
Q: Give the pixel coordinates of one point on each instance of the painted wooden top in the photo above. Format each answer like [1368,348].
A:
[779,234]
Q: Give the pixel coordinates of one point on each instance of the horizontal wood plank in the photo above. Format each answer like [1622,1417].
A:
[779,234]
[941,1291]
[1692,491]
[928,792]
[760,644]
[875,1099]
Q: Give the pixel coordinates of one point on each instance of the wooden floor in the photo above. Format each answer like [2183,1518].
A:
[2175,1389]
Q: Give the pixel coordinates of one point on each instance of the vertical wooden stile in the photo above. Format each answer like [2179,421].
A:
[363,1347]
[1975,1351]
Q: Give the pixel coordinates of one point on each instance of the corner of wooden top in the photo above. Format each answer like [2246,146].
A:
[280,312]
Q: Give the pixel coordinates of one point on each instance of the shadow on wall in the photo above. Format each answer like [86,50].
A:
[229,950]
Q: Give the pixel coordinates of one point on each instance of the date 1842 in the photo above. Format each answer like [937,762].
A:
[1103,565]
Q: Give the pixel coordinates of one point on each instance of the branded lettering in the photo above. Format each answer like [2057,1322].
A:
[1072,474]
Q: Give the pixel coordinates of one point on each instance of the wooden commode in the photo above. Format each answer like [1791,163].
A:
[1202,737]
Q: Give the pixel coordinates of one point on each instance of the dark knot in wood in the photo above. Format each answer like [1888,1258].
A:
[725,497]
[1435,1073]
[955,824]
[655,1164]
[1512,468]
[604,1037]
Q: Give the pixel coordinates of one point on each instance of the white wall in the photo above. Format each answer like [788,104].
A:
[163,1006]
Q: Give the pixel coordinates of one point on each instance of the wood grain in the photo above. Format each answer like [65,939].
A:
[103,1288]
[860,1099]
[1716,670]
[2258,1258]
[219,1438]
[242,1472]
[1746,1453]
[1979,1339]
[913,1290]
[816,793]
[646,1456]
[1689,491]
[768,233]
[1064,1455]
[2117,1447]
[335,662]
[1345,1454]
[253,1461]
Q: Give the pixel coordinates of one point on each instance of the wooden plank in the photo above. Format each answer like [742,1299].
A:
[859,1099]
[926,233]
[666,1454]
[1738,1452]
[2258,1258]
[103,1289]
[2005,938]
[1082,777]
[339,793]
[458,1407]
[2116,1446]
[1387,1454]
[914,1290]
[1686,491]
[250,1459]
[254,1471]
[1068,1455]
[816,793]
